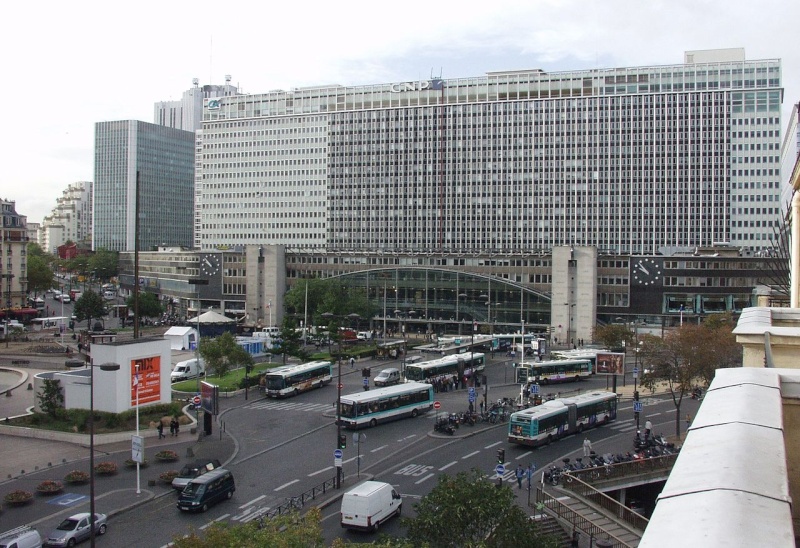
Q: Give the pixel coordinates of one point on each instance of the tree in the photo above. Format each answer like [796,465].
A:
[222,353]
[40,275]
[469,510]
[90,305]
[104,263]
[50,398]
[284,531]
[613,336]
[149,305]
[290,342]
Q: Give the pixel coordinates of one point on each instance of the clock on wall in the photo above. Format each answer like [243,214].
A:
[646,271]
[209,264]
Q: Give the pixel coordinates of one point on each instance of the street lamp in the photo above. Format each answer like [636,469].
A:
[328,316]
[197,282]
[72,364]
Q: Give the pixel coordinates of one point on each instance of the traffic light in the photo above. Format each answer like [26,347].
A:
[248,368]
[501,456]
[342,441]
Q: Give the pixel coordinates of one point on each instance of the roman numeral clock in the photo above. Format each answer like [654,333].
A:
[646,271]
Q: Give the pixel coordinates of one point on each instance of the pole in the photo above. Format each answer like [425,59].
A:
[138,477]
[339,422]
[91,450]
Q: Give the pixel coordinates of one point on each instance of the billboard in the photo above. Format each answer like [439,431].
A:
[148,381]
[610,363]
[209,397]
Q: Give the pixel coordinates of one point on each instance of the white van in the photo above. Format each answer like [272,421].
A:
[21,537]
[387,377]
[364,335]
[369,504]
[187,370]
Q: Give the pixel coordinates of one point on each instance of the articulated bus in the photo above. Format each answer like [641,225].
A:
[555,419]
[385,404]
[290,381]
[553,371]
[446,365]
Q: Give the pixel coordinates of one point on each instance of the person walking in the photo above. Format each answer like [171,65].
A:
[529,474]
[520,473]
[648,428]
[352,362]
[587,447]
[688,420]
[160,428]
[173,424]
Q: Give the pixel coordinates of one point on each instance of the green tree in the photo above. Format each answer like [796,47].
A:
[291,342]
[40,275]
[50,398]
[90,305]
[104,263]
[222,353]
[284,531]
[614,336]
[149,305]
[469,510]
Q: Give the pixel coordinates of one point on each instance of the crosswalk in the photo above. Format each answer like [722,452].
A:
[283,405]
[624,426]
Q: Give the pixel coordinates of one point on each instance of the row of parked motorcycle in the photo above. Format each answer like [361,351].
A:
[498,411]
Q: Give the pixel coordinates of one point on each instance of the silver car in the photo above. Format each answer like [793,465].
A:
[75,529]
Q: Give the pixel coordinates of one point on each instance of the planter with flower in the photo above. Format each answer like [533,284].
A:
[50,487]
[130,463]
[18,497]
[76,477]
[106,468]
[167,477]
[167,456]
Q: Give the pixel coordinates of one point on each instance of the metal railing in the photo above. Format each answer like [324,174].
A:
[578,522]
[298,502]
[615,508]
[624,470]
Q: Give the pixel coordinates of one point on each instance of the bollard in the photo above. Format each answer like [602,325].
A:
[8,393]
[30,386]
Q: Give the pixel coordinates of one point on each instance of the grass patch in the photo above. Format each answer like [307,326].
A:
[77,420]
[232,381]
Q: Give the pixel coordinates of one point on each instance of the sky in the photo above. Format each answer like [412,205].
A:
[68,65]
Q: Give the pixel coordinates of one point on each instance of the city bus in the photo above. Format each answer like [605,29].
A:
[454,364]
[385,404]
[557,418]
[290,381]
[553,371]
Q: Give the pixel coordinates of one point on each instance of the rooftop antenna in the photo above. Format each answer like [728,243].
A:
[211,60]
[195,82]
[434,77]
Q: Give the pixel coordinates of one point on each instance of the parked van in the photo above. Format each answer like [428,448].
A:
[364,335]
[21,537]
[369,504]
[387,377]
[193,470]
[187,370]
[207,490]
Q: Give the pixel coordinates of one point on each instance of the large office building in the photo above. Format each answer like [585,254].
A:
[163,158]
[187,113]
[70,220]
[628,160]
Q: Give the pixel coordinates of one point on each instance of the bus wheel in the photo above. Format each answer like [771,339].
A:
[373,422]
[549,439]
[580,427]
[414,413]
[577,378]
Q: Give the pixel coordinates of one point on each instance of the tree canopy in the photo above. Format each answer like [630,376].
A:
[222,353]
[89,306]
[149,305]
[40,275]
[104,263]
[290,342]
[328,296]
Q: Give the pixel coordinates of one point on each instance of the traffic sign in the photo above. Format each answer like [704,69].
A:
[471,391]
[437,405]
[534,389]
[635,372]
[499,469]
[637,407]
[337,454]
[196,401]
[471,398]
[341,386]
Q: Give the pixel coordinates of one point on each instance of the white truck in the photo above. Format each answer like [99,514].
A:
[367,505]
[188,369]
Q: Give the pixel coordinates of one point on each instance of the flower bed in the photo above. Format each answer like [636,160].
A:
[130,463]
[167,477]
[106,468]
[18,497]
[76,477]
[50,487]
[167,456]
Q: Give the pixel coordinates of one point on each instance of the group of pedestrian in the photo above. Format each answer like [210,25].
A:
[174,428]
[525,473]
[445,383]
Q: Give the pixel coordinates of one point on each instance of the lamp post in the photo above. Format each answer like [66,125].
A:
[104,367]
[197,282]
[328,316]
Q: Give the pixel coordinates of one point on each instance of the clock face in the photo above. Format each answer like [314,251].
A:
[646,271]
[209,264]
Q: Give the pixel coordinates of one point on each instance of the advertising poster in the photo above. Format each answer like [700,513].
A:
[148,381]
[610,363]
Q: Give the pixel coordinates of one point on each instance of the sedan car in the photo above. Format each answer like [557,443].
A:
[75,529]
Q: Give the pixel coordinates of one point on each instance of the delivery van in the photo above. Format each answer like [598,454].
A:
[21,537]
[367,505]
[207,490]
[187,370]
[387,377]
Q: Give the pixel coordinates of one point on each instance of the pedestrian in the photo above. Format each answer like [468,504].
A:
[688,420]
[529,474]
[173,425]
[648,428]
[587,447]
[520,473]
[160,428]
[177,426]
[352,362]
[366,383]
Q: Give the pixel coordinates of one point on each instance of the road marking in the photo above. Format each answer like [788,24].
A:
[255,500]
[423,479]
[652,415]
[378,448]
[525,454]
[446,466]
[209,524]
[320,471]
[285,485]
[407,438]
[349,460]
[470,455]
[492,445]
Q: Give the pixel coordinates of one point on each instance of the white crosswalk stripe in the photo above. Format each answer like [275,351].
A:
[277,405]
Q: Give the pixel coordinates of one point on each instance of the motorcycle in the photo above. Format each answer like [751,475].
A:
[443,425]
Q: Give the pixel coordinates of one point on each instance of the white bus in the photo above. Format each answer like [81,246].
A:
[290,381]
[454,364]
[385,404]
[553,371]
[555,419]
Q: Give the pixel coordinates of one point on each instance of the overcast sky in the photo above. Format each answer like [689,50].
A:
[68,65]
